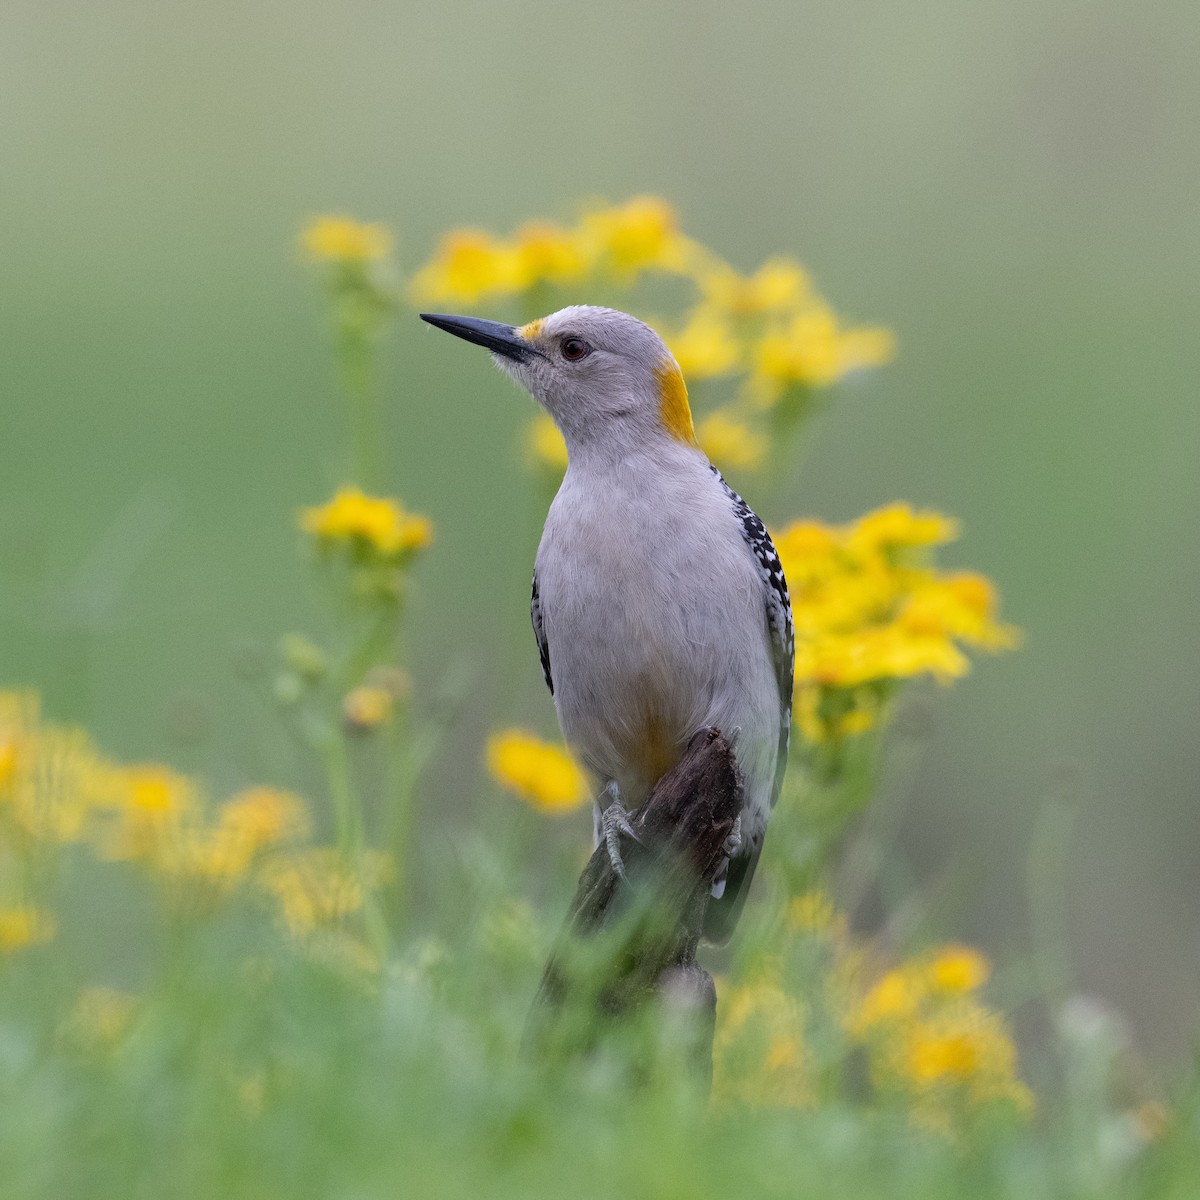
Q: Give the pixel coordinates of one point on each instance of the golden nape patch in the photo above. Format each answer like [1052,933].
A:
[530,331]
[673,404]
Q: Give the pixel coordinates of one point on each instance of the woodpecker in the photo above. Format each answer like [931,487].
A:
[659,603]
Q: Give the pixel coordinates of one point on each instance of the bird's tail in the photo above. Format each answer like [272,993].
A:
[721,915]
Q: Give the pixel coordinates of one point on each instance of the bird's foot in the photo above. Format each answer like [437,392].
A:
[734,842]
[614,821]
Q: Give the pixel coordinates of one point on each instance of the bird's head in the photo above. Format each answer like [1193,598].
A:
[605,377]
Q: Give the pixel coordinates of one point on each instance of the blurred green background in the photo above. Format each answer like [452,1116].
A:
[1010,186]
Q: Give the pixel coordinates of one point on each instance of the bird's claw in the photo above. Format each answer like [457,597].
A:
[733,843]
[614,821]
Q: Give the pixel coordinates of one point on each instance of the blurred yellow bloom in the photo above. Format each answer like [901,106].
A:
[813,350]
[24,926]
[759,1055]
[550,254]
[254,820]
[367,707]
[315,888]
[705,348]
[895,997]
[48,773]
[8,759]
[374,525]
[467,265]
[344,240]
[813,912]
[897,525]
[150,805]
[958,969]
[542,774]
[546,443]
[870,610]
[729,443]
[933,1044]
[641,234]
[779,285]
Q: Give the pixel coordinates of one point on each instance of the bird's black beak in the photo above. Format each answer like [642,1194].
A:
[496,336]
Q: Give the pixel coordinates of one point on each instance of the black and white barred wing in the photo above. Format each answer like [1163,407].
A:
[539,632]
[779,618]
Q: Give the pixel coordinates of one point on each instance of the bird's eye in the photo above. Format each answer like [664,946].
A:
[573,349]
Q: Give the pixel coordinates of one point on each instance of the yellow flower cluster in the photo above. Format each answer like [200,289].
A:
[933,1045]
[339,239]
[621,241]
[771,328]
[870,609]
[372,528]
[316,889]
[56,789]
[759,1053]
[541,773]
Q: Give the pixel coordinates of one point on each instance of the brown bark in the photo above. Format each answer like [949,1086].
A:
[629,942]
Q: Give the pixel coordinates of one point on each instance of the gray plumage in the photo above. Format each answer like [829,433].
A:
[659,604]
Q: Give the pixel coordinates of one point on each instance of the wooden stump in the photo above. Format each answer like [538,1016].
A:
[629,942]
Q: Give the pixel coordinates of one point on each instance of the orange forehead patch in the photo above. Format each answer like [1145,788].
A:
[530,331]
[673,407]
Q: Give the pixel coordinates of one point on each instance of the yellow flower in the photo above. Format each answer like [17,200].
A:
[963,606]
[898,525]
[373,525]
[934,1056]
[542,774]
[367,707]
[729,443]
[24,926]
[895,997]
[779,285]
[813,912]
[968,1046]
[933,1045]
[958,969]
[639,235]
[48,773]
[759,1056]
[705,348]
[467,265]
[264,816]
[316,889]
[344,240]
[870,609]
[812,350]
[254,820]
[8,759]
[546,443]
[152,807]
[548,253]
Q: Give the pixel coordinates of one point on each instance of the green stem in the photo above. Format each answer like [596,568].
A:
[349,816]
[377,645]
[360,384]
[347,810]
